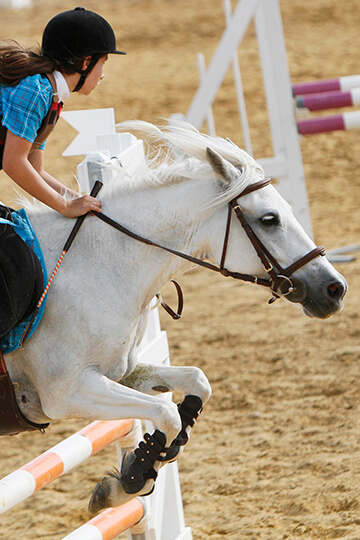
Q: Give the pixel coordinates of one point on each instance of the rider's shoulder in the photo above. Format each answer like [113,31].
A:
[33,89]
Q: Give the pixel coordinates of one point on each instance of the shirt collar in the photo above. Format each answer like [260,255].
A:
[62,86]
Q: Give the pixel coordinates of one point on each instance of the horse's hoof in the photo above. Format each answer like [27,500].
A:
[110,492]
[99,497]
[137,476]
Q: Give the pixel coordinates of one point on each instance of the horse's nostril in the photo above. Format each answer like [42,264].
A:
[336,290]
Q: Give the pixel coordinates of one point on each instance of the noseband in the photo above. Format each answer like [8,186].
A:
[280,281]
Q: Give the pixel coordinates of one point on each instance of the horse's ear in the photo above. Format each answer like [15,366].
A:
[221,166]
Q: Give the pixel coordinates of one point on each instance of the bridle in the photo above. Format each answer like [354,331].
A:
[280,281]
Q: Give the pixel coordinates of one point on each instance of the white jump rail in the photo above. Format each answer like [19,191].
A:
[286,163]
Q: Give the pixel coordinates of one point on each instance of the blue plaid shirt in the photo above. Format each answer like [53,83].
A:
[23,107]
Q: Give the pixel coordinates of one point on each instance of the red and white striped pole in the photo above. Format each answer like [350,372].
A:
[343,84]
[22,483]
[110,523]
[324,124]
[328,100]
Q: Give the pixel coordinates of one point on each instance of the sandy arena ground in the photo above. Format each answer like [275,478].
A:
[275,453]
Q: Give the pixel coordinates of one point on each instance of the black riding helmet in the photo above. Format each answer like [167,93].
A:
[75,34]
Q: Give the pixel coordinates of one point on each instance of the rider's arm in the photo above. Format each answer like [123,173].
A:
[17,165]
[36,159]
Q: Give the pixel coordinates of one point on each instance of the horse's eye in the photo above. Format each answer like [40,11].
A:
[270,220]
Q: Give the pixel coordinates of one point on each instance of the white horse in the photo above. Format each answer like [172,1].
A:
[82,360]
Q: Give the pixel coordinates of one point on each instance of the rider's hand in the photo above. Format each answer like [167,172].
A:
[81,205]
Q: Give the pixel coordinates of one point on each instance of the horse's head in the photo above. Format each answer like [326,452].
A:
[268,244]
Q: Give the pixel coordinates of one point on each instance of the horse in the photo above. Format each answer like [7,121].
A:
[196,199]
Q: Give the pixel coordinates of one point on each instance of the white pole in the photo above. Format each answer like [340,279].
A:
[209,114]
[239,87]
[220,62]
[285,138]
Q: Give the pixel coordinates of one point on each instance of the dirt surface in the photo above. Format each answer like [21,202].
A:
[275,454]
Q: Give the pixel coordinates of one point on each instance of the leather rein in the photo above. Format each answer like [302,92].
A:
[279,280]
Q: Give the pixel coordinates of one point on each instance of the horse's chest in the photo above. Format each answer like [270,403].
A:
[118,356]
[125,346]
[120,366]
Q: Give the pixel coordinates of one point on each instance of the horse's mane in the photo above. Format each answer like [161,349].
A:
[177,151]
[174,152]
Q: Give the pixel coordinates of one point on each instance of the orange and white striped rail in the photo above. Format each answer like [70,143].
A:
[110,523]
[61,458]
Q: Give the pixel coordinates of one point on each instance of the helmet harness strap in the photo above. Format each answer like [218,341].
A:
[85,72]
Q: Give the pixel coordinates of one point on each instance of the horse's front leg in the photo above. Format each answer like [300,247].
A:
[92,395]
[96,396]
[138,466]
[189,382]
[183,380]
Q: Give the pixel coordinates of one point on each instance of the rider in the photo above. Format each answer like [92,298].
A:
[33,85]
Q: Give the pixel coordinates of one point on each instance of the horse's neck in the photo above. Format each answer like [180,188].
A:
[158,211]
[169,216]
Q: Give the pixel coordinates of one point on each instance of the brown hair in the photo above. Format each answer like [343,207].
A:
[17,62]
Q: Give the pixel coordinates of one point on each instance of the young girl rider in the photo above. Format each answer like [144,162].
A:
[33,85]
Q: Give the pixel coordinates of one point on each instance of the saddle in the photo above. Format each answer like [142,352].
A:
[21,276]
[21,285]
